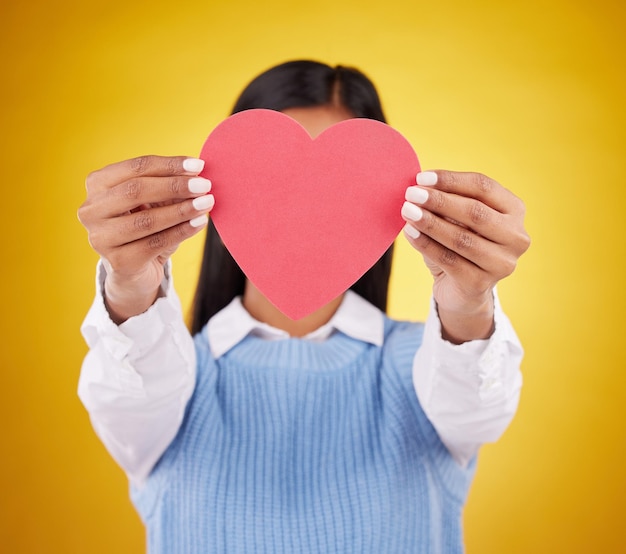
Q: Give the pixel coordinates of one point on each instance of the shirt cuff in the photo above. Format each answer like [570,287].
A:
[486,357]
[135,337]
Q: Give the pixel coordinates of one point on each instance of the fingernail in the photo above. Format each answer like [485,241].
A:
[411,212]
[204,202]
[411,231]
[426,178]
[193,165]
[199,221]
[416,194]
[199,185]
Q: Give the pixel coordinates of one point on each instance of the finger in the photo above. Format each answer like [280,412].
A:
[110,234]
[143,191]
[138,225]
[470,277]
[155,166]
[468,212]
[473,185]
[132,257]
[450,243]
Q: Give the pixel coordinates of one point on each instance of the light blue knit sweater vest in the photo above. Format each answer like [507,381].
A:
[293,446]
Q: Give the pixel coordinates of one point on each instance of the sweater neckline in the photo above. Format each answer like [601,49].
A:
[336,352]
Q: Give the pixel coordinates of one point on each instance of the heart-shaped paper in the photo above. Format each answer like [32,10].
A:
[304,219]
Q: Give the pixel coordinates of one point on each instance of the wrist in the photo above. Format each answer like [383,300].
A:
[125,297]
[472,321]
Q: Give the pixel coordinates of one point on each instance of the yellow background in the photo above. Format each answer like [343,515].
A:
[530,93]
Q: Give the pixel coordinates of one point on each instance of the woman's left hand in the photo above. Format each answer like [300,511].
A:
[470,230]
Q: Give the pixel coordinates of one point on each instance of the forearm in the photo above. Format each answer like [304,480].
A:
[470,391]
[136,379]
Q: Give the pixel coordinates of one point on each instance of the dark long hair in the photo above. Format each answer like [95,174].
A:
[294,84]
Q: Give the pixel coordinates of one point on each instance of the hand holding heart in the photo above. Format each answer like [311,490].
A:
[137,212]
[470,231]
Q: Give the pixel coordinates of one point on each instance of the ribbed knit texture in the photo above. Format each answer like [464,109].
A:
[293,446]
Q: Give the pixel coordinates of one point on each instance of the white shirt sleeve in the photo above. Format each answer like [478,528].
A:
[137,378]
[470,391]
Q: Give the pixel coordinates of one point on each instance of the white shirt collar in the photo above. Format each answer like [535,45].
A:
[355,317]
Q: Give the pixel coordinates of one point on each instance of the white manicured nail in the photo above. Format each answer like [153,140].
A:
[411,231]
[416,194]
[193,165]
[411,212]
[426,178]
[199,221]
[203,202]
[199,185]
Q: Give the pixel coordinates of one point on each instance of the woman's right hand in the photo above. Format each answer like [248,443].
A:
[137,212]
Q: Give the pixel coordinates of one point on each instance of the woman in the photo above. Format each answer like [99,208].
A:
[344,431]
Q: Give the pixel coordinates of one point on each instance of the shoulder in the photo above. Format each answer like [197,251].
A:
[205,360]
[402,337]
[401,342]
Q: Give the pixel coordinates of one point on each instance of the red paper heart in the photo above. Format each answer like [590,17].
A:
[305,219]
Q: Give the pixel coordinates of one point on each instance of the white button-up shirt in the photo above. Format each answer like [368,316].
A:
[137,377]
